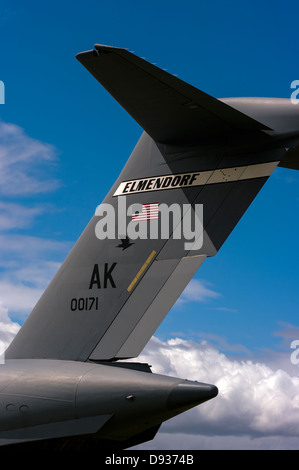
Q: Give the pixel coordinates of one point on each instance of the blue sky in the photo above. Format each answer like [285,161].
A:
[68,140]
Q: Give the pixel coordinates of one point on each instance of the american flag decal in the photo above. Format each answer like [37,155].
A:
[149,212]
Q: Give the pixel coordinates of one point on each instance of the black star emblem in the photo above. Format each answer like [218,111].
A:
[125,243]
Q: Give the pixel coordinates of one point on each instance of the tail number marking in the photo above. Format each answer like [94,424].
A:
[84,303]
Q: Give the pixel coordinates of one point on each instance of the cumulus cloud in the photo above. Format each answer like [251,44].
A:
[8,330]
[255,401]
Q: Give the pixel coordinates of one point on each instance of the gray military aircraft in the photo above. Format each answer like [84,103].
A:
[67,381]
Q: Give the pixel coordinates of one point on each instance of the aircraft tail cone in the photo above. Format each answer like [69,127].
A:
[189,394]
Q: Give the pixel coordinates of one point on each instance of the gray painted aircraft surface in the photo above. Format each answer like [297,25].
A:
[63,384]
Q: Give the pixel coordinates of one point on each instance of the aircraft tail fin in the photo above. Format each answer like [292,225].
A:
[166,213]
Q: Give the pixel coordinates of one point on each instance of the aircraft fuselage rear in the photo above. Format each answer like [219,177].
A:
[43,399]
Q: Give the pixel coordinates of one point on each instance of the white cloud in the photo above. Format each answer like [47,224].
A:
[26,247]
[220,342]
[257,406]
[21,287]
[255,401]
[22,159]
[197,291]
[37,275]
[27,272]
[27,266]
[179,441]
[18,298]
[8,328]
[14,216]
[27,263]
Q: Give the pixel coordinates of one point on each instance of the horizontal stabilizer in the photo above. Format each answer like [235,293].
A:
[167,108]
